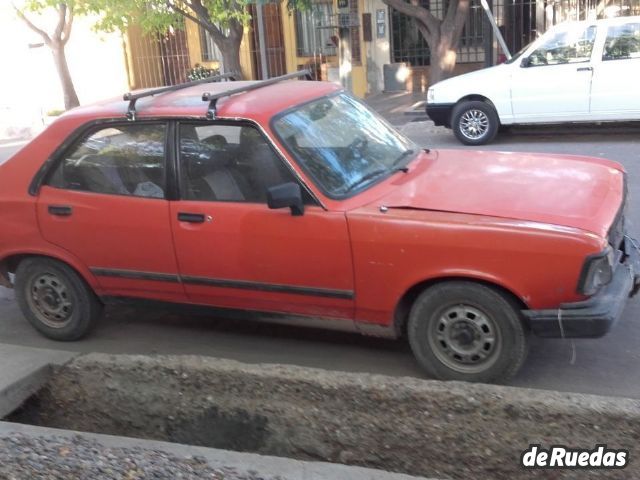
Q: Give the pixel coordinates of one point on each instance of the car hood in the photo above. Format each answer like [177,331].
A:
[484,74]
[571,191]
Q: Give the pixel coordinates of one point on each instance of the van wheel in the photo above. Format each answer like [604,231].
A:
[55,299]
[466,331]
[475,122]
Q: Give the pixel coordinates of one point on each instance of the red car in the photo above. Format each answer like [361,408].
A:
[293,198]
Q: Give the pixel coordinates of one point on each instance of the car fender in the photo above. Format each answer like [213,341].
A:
[55,253]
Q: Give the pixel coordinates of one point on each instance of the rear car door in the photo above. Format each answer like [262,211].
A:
[555,83]
[105,202]
[233,251]
[615,94]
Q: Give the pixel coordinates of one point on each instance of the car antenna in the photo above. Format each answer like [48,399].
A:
[213,98]
[132,98]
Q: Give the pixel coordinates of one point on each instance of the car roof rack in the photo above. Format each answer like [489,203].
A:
[132,98]
[213,98]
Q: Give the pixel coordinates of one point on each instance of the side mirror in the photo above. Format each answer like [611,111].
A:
[286,195]
[526,62]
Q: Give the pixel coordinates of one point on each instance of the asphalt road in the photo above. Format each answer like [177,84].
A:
[609,365]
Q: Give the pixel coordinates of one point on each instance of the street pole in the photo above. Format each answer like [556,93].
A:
[496,30]
[262,42]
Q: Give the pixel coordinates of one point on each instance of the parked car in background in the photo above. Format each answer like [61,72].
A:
[295,199]
[575,72]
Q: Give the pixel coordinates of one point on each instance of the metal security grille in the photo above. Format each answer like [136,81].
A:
[523,21]
[267,40]
[409,46]
[159,60]
[520,22]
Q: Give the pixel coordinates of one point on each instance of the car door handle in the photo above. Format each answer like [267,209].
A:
[60,210]
[585,69]
[191,217]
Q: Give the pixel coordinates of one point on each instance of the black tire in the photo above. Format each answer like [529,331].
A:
[447,315]
[55,299]
[484,112]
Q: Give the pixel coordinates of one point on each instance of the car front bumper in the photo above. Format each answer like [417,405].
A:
[440,113]
[595,316]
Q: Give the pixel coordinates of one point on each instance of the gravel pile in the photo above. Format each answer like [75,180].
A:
[26,458]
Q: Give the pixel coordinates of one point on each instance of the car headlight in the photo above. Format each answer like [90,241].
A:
[596,272]
[431,95]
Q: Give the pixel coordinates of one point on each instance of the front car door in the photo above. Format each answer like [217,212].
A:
[233,251]
[105,202]
[554,82]
[615,94]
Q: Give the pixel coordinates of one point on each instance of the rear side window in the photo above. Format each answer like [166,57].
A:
[116,160]
[623,42]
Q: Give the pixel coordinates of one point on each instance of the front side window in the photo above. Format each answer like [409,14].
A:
[228,163]
[342,144]
[116,160]
[623,42]
[573,45]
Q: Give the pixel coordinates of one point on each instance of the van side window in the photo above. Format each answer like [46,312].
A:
[116,160]
[623,42]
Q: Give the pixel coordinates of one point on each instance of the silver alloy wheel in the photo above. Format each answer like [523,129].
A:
[465,339]
[50,301]
[474,124]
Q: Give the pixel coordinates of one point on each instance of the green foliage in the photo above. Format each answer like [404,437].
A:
[156,15]
[199,72]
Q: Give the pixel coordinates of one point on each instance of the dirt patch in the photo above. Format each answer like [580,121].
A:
[407,425]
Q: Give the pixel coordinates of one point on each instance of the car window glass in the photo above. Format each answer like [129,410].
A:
[119,160]
[572,45]
[623,41]
[342,145]
[228,163]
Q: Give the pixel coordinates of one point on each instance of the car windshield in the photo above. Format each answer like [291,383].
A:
[343,145]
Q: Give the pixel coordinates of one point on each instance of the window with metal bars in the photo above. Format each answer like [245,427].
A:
[210,51]
[410,47]
[313,36]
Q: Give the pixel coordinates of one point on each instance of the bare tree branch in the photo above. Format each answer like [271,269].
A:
[39,31]
[66,32]
[62,15]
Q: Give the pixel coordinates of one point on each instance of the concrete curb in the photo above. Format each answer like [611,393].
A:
[25,371]
[284,468]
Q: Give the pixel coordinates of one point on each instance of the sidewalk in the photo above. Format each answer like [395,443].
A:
[399,107]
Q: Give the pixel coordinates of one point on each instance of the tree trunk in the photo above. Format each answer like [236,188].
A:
[68,90]
[230,50]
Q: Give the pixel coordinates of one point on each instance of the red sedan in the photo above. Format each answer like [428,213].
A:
[293,198]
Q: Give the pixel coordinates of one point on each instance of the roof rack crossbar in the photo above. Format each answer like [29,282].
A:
[132,98]
[213,98]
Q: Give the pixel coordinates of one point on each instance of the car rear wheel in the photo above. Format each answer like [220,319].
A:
[467,331]
[55,299]
[475,122]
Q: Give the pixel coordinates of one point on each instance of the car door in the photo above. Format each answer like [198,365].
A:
[553,82]
[105,203]
[615,94]
[233,251]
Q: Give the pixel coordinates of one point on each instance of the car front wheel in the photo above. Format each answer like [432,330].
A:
[475,122]
[55,299]
[467,331]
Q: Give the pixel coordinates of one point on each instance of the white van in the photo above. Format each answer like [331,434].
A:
[575,72]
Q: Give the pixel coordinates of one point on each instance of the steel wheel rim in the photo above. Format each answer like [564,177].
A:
[50,300]
[465,339]
[474,124]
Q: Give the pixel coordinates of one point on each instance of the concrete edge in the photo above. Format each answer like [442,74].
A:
[285,468]
[14,394]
